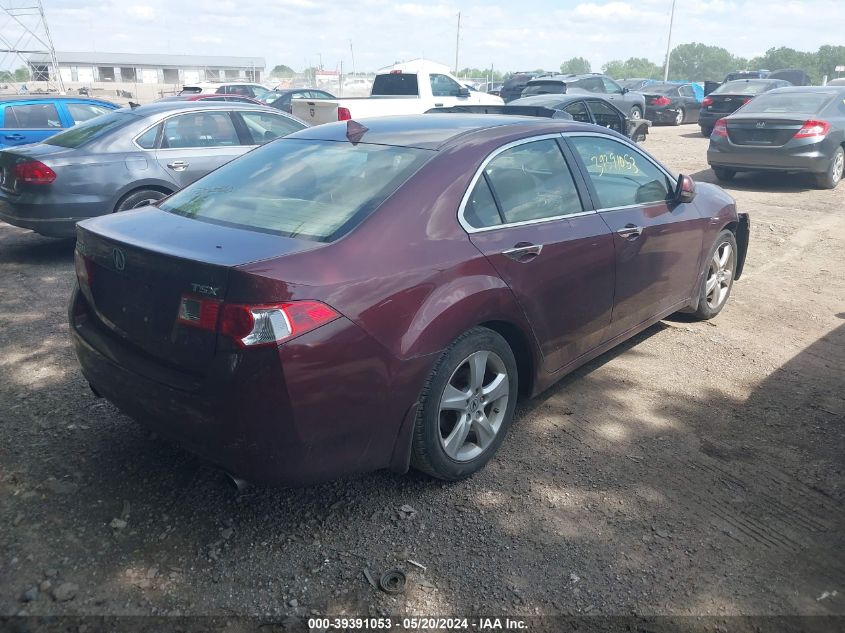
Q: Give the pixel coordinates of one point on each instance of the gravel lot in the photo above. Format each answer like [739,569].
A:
[697,469]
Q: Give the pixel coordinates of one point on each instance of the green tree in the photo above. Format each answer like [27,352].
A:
[576,66]
[282,71]
[700,62]
[22,74]
[828,58]
[783,57]
[6,75]
[634,67]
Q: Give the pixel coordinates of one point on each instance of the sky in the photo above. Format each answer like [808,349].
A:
[505,34]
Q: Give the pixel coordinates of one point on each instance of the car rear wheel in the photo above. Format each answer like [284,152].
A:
[140,198]
[718,276]
[679,117]
[636,113]
[706,131]
[833,175]
[723,174]
[467,406]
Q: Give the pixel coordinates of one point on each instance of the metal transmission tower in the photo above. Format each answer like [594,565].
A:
[24,31]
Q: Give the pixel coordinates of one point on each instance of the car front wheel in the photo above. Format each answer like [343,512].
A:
[833,175]
[723,174]
[138,199]
[636,113]
[467,406]
[718,276]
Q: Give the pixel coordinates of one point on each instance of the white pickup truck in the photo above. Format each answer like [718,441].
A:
[410,88]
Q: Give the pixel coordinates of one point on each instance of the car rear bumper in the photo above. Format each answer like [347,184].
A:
[287,415]
[661,115]
[48,217]
[808,158]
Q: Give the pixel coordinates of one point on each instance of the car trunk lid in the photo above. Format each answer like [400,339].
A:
[725,103]
[764,131]
[140,264]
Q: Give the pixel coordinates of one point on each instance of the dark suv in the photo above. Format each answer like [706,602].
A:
[631,103]
[513,86]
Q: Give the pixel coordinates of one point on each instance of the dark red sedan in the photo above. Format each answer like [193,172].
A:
[377,294]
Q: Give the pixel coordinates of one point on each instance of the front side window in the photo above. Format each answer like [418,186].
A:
[312,190]
[443,86]
[199,129]
[528,182]
[606,115]
[264,127]
[80,112]
[590,84]
[621,176]
[610,86]
[37,116]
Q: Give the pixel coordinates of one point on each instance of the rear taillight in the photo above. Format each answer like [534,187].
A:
[34,172]
[343,114]
[84,269]
[708,101]
[659,101]
[746,100]
[720,129]
[812,129]
[252,325]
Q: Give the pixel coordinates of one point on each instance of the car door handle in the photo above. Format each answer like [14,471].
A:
[523,252]
[438,105]
[630,231]
[15,137]
[178,165]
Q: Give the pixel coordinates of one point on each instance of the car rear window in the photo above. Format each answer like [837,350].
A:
[313,190]
[544,88]
[798,102]
[91,129]
[743,87]
[395,84]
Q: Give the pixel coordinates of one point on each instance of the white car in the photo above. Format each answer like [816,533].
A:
[410,88]
[244,89]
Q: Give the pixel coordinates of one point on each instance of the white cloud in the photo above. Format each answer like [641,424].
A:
[141,11]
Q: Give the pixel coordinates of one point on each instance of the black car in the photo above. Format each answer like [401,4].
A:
[512,86]
[729,97]
[671,103]
[636,84]
[632,103]
[281,99]
[577,107]
[796,129]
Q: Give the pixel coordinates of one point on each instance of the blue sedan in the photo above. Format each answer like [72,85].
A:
[30,119]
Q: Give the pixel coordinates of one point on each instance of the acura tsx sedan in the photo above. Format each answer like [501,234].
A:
[378,293]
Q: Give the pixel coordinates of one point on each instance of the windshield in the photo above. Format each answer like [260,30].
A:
[91,129]
[743,87]
[798,102]
[313,190]
[544,88]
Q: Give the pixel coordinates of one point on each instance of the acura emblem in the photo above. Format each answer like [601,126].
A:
[761,124]
[119,259]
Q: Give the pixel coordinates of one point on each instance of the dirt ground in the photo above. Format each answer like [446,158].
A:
[696,469]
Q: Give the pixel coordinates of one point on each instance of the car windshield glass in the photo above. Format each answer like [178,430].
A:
[544,88]
[91,129]
[799,102]
[313,190]
[743,87]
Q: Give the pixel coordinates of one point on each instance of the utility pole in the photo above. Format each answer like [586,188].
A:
[669,44]
[352,51]
[457,43]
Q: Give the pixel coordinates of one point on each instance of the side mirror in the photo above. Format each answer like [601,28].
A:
[462,92]
[685,189]
[625,91]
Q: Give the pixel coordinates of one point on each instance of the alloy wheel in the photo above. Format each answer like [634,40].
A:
[838,167]
[473,405]
[679,117]
[636,115]
[720,275]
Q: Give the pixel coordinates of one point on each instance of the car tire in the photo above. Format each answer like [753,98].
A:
[139,198]
[834,173]
[465,413]
[723,174]
[636,113]
[719,272]
[679,117]
[706,131]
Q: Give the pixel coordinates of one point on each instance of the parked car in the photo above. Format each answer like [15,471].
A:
[797,129]
[212,98]
[228,88]
[409,88]
[513,86]
[837,82]
[245,317]
[588,108]
[126,159]
[632,103]
[731,96]
[671,103]
[746,74]
[635,85]
[281,99]
[29,119]
[492,88]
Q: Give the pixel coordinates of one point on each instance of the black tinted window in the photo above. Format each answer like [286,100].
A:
[606,115]
[395,84]
[544,88]
[578,110]
[32,116]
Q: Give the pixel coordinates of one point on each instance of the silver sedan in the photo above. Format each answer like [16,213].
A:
[126,159]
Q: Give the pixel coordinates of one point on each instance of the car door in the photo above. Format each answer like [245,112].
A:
[29,122]
[578,111]
[614,92]
[525,213]
[658,241]
[607,116]
[445,91]
[195,143]
[692,106]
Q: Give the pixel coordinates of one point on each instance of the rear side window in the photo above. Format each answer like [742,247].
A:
[91,129]
[37,116]
[264,127]
[313,190]
[481,210]
[578,110]
[80,112]
[395,84]
[147,140]
[590,84]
